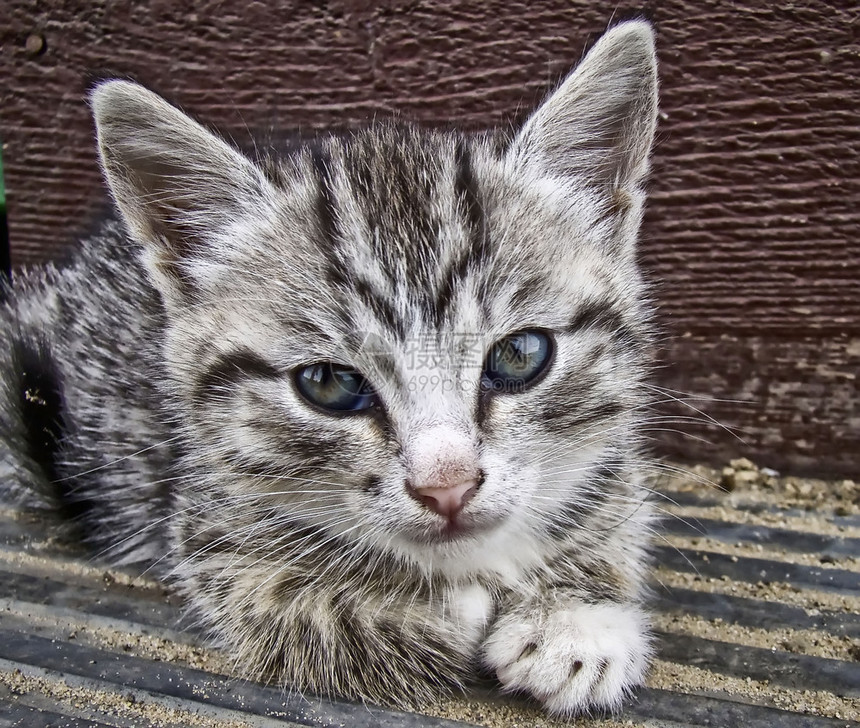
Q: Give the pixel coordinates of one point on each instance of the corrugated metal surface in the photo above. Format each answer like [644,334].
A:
[757,607]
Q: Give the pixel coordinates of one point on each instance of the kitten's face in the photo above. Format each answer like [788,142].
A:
[409,272]
[413,264]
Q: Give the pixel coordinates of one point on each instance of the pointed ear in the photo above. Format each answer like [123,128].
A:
[597,128]
[176,184]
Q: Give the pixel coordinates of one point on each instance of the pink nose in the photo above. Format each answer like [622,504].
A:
[447,501]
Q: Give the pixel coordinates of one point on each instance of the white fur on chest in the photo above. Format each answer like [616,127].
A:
[469,607]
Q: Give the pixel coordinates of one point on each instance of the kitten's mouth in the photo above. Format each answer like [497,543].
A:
[451,530]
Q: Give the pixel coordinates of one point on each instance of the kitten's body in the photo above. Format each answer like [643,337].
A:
[81,406]
[303,538]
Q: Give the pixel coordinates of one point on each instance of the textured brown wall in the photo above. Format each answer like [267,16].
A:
[752,234]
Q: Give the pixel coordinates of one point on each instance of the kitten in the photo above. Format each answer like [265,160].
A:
[373,404]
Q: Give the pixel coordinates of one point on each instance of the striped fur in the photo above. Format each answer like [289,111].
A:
[148,395]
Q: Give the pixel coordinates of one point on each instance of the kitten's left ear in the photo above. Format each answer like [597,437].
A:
[598,126]
[178,186]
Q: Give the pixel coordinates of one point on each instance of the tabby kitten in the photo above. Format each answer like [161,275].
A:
[372,404]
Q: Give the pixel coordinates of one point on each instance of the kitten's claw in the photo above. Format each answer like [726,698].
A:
[574,659]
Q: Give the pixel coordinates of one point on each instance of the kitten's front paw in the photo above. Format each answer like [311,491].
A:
[573,659]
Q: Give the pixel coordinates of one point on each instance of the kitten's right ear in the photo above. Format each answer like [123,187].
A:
[176,184]
[597,128]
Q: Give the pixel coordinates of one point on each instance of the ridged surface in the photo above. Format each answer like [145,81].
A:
[756,604]
[752,233]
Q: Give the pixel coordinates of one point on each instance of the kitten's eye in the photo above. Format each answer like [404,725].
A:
[517,360]
[335,388]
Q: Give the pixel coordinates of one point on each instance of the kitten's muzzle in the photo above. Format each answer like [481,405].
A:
[449,500]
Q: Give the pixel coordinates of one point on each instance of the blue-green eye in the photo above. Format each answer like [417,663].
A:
[335,388]
[517,360]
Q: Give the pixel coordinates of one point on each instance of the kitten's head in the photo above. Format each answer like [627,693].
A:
[406,336]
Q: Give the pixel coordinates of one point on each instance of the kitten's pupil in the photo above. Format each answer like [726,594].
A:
[334,388]
[517,360]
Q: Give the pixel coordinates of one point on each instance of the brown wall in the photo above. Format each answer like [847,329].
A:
[752,233]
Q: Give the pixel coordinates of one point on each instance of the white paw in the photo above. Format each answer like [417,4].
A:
[574,659]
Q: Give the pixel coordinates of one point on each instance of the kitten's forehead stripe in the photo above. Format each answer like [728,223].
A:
[325,203]
[398,177]
[401,224]
[381,306]
[474,255]
[466,189]
[329,236]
